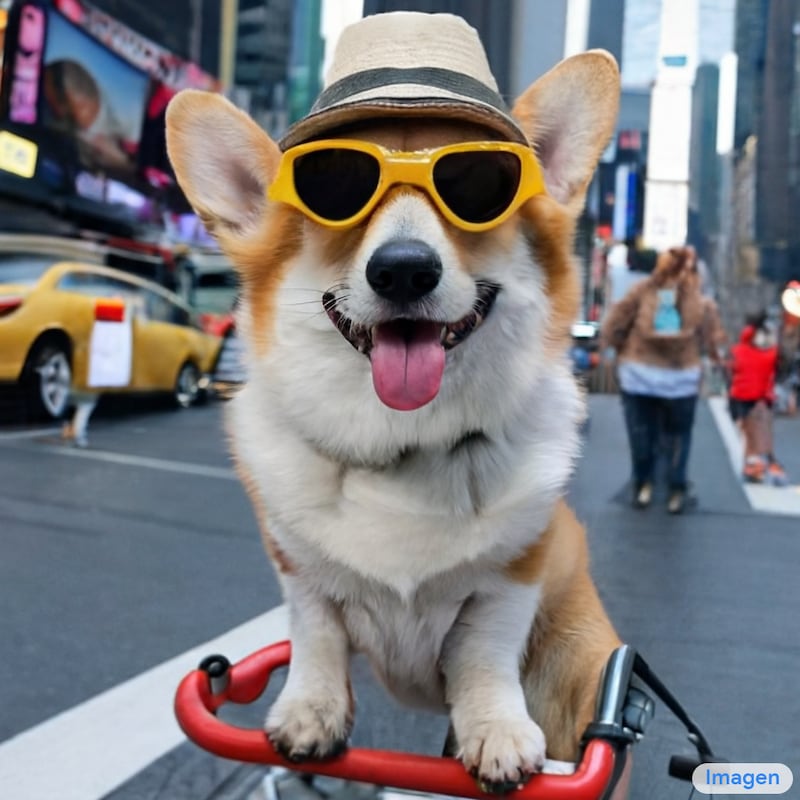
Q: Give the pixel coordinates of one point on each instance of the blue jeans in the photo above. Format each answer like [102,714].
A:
[659,425]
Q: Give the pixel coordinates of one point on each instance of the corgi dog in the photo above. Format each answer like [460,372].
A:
[410,417]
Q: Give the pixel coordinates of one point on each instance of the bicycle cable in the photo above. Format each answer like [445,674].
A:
[642,670]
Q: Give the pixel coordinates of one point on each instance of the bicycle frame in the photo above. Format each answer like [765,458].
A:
[216,682]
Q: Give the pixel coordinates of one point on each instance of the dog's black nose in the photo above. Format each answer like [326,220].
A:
[404,270]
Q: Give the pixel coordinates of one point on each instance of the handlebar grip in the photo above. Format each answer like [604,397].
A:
[197,701]
[682,767]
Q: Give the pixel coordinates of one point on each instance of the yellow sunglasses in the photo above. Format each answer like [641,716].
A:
[475,185]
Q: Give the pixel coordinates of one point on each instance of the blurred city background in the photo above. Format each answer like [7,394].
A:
[706,149]
[125,562]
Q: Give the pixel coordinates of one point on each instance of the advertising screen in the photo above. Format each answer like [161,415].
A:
[94,97]
[82,112]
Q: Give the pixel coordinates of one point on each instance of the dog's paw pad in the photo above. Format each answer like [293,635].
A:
[303,728]
[503,754]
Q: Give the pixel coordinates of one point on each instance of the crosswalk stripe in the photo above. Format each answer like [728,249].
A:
[146,462]
[768,499]
[35,433]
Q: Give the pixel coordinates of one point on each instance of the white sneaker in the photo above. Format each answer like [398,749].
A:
[644,496]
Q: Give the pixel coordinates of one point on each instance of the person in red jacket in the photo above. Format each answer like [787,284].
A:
[753,366]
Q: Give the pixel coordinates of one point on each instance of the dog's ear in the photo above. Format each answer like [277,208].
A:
[569,115]
[223,161]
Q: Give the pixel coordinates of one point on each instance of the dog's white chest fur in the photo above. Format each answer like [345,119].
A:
[401,636]
[430,510]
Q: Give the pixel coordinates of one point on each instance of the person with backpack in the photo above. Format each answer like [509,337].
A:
[660,331]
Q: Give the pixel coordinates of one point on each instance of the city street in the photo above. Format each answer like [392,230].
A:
[124,564]
[324,193]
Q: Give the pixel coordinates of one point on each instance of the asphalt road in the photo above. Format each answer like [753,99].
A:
[122,562]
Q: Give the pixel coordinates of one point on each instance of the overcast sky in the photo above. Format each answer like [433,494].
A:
[640,40]
[336,14]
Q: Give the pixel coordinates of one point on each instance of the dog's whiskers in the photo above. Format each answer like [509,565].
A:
[300,303]
[331,301]
[337,293]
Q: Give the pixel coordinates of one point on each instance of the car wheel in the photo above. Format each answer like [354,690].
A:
[187,386]
[49,381]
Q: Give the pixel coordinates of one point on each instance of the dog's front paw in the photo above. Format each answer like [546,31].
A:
[303,726]
[502,753]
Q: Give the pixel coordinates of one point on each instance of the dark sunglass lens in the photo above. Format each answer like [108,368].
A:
[336,183]
[477,186]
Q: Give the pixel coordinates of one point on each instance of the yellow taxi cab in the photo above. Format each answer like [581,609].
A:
[49,309]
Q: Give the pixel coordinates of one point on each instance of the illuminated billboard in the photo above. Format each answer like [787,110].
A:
[82,109]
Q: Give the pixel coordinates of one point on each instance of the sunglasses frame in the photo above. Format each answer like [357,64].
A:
[411,168]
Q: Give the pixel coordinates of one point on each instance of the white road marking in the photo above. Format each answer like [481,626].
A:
[89,750]
[148,462]
[29,434]
[769,499]
[774,499]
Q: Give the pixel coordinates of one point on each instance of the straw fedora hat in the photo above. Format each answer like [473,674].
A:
[407,63]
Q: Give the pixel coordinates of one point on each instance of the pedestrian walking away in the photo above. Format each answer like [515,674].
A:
[660,331]
[753,368]
[76,430]
[108,365]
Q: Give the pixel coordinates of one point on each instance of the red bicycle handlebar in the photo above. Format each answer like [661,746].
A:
[196,704]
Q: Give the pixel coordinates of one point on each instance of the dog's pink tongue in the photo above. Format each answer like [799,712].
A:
[407,363]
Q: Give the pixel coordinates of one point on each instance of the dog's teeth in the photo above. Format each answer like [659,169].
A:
[468,325]
[463,325]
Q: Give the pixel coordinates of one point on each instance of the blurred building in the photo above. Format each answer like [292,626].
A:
[263,43]
[667,190]
[188,28]
[758,247]
[750,40]
[527,61]
[704,162]
[778,133]
[606,26]
[278,60]
[305,58]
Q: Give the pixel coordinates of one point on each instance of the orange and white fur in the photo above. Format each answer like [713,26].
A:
[436,541]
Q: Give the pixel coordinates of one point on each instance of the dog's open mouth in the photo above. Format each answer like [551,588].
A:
[407,355]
